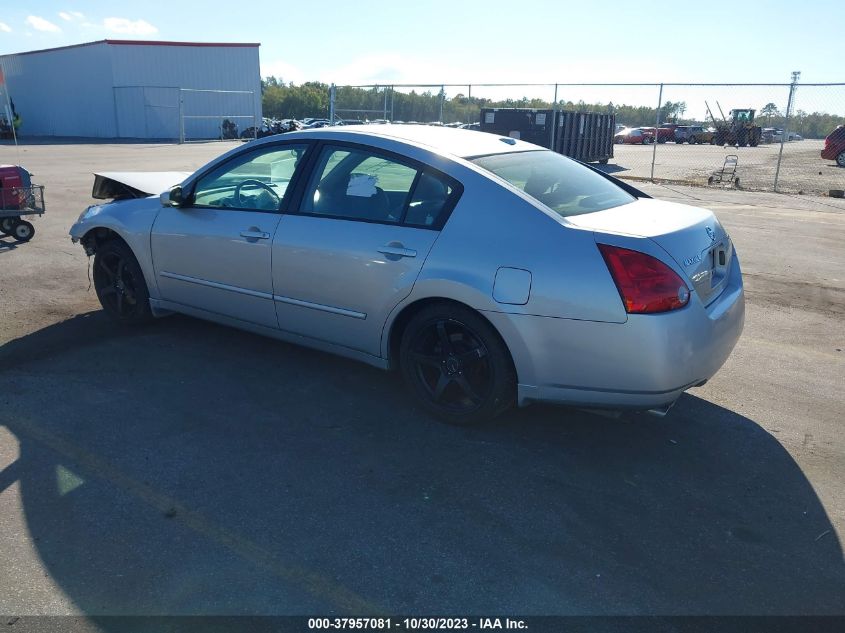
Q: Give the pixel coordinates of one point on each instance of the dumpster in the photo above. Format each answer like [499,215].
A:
[584,136]
[531,126]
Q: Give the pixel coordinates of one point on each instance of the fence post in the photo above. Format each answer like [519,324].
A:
[553,146]
[795,76]
[656,127]
[469,102]
[332,91]
[442,99]
[385,104]
[181,118]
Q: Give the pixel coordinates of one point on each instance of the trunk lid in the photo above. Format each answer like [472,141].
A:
[692,237]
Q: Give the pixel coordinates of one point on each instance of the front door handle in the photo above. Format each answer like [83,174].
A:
[255,234]
[394,249]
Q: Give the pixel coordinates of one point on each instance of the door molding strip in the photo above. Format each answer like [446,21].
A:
[265,295]
[319,306]
[216,284]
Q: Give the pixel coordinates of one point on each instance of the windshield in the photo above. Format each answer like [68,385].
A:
[560,183]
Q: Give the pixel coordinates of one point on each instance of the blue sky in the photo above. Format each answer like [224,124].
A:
[452,42]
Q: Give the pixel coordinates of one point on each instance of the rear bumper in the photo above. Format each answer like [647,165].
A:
[644,363]
[830,153]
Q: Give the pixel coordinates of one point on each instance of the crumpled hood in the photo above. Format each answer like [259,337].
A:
[134,184]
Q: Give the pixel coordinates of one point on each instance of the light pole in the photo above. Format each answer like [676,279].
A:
[796,75]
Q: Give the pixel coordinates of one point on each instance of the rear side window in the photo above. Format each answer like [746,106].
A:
[558,182]
[357,184]
[429,201]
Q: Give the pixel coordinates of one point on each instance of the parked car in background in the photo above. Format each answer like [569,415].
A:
[634,136]
[767,135]
[661,134]
[666,132]
[375,243]
[694,134]
[834,146]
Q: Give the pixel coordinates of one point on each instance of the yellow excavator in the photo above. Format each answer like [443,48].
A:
[739,130]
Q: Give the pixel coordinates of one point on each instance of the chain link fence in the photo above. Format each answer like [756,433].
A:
[780,150]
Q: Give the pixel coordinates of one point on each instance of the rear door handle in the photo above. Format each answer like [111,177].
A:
[255,234]
[397,250]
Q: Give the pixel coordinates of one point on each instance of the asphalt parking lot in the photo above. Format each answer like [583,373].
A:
[187,468]
[802,168]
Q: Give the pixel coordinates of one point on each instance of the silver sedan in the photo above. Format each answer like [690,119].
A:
[488,271]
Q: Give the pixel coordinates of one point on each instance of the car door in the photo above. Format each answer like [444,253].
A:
[353,244]
[213,253]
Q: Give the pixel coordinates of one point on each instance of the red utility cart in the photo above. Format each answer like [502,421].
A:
[18,198]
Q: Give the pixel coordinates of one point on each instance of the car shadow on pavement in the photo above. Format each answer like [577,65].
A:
[187,468]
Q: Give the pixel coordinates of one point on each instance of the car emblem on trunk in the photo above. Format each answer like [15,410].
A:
[710,233]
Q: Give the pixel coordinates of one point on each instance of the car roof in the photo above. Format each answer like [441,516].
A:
[458,142]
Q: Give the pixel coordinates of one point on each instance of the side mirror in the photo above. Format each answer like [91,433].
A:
[172,198]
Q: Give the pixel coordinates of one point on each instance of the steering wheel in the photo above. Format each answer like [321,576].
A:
[255,183]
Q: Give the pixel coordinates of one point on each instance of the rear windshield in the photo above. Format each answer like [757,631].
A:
[560,183]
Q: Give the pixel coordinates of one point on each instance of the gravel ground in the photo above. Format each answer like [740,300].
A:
[802,168]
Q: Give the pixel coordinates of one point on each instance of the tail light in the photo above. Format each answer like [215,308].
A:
[645,284]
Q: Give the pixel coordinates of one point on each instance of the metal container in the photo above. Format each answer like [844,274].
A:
[584,136]
[532,126]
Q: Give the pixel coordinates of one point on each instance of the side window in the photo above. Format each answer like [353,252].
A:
[428,201]
[255,181]
[358,184]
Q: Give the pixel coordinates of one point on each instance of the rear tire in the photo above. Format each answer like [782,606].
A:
[456,365]
[840,159]
[120,285]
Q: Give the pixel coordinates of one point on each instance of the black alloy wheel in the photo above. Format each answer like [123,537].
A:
[120,284]
[456,365]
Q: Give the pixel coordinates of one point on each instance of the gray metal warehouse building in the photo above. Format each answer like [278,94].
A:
[135,89]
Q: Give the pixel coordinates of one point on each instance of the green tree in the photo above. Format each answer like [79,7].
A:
[770,110]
